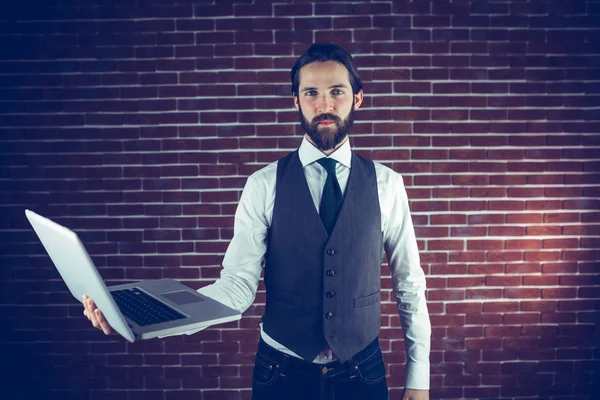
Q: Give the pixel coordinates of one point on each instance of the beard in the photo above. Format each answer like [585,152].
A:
[327,137]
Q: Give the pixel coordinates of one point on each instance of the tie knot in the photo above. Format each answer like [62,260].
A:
[328,164]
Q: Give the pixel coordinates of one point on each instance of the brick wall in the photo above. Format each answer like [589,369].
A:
[136,124]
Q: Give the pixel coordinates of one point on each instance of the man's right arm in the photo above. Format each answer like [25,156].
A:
[242,264]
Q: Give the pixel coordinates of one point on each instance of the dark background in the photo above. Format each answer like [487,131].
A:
[136,123]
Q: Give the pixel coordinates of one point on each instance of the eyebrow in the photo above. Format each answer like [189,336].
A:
[339,85]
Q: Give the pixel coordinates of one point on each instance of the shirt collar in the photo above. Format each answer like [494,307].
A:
[308,153]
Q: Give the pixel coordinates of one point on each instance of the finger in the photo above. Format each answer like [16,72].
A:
[85,301]
[103,324]
[88,306]
[92,306]
[87,314]
[92,314]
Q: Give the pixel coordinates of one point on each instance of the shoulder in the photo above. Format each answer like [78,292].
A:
[385,172]
[389,179]
[268,173]
[260,184]
[264,174]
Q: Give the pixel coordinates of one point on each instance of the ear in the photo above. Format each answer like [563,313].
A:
[358,98]
[296,105]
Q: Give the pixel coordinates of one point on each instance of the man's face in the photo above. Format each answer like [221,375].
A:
[326,103]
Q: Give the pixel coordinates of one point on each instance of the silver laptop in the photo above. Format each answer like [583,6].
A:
[141,310]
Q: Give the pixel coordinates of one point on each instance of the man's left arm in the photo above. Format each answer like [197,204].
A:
[408,287]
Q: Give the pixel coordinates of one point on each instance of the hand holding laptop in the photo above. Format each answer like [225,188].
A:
[95,316]
[137,310]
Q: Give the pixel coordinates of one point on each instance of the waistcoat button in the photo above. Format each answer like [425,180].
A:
[330,272]
[329,315]
[330,252]
[330,294]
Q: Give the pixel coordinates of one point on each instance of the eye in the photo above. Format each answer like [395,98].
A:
[310,93]
[337,92]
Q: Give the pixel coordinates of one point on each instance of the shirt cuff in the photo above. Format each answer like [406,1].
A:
[417,376]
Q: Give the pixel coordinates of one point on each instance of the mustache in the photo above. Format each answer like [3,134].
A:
[324,117]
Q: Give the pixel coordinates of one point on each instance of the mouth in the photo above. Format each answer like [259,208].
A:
[326,122]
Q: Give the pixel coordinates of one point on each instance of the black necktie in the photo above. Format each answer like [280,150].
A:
[331,201]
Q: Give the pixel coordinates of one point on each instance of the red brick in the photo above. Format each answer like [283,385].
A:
[543,230]
[467,256]
[524,218]
[506,205]
[432,180]
[446,294]
[445,245]
[484,293]
[422,232]
[486,219]
[463,308]
[562,217]
[485,244]
[580,255]
[559,268]
[503,280]
[514,293]
[582,230]
[523,268]
[558,318]
[495,256]
[443,321]
[521,318]
[578,305]
[542,256]
[591,204]
[497,307]
[450,192]
[523,244]
[577,331]
[451,269]
[540,280]
[470,180]
[484,343]
[545,179]
[465,282]
[468,231]
[557,293]
[419,206]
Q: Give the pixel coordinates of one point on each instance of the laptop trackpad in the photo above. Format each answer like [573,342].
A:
[182,297]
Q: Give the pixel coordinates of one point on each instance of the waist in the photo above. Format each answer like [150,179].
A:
[281,348]
[287,362]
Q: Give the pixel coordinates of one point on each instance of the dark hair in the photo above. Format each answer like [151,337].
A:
[322,53]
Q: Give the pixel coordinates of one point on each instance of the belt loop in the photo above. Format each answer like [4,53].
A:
[351,366]
[283,364]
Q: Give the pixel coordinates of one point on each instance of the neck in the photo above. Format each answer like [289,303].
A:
[326,152]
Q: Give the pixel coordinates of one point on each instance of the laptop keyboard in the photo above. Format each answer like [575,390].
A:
[142,308]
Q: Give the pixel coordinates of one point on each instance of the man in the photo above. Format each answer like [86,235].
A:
[318,221]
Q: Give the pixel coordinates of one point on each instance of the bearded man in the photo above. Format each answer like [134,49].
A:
[318,222]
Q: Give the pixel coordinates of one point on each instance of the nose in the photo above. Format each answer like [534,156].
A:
[325,104]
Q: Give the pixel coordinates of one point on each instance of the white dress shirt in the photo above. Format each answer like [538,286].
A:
[242,264]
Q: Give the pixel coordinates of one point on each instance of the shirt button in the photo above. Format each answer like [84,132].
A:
[330,294]
[329,315]
[324,370]
[330,252]
[330,272]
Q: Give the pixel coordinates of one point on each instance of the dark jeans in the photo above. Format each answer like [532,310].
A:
[278,376]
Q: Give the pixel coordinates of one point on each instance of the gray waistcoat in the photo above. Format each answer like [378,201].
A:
[324,290]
